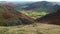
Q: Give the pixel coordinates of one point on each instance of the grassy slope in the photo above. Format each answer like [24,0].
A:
[37,28]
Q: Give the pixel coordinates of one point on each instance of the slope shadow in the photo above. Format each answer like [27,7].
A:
[53,18]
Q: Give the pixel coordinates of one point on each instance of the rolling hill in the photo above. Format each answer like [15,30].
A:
[53,18]
[11,17]
[43,6]
[9,12]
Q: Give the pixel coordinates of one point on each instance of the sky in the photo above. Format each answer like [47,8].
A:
[33,0]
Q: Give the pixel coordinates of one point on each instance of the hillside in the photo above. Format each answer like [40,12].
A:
[53,18]
[37,28]
[43,6]
[29,18]
[9,16]
[35,6]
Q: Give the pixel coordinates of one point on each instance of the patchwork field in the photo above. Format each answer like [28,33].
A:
[34,14]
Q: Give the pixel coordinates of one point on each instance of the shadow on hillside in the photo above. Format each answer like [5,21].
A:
[53,18]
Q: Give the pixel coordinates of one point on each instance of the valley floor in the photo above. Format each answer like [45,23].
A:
[37,28]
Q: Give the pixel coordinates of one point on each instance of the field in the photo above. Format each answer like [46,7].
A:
[37,28]
[34,14]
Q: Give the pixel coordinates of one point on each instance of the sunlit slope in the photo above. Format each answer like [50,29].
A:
[34,14]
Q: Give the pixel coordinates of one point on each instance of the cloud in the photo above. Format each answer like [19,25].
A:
[21,0]
[33,0]
[53,0]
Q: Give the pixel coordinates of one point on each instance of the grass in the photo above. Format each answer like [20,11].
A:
[34,14]
[37,28]
[2,9]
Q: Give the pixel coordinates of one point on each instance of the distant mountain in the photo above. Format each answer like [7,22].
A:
[56,3]
[43,6]
[18,5]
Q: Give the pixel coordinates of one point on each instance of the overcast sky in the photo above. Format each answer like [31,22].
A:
[33,0]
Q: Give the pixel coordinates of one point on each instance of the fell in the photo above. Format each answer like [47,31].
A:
[53,18]
[11,17]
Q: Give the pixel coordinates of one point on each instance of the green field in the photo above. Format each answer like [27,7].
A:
[34,14]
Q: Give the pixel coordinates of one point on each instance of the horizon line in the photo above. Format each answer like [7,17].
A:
[28,1]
